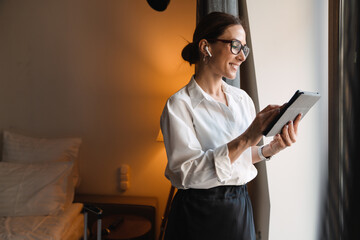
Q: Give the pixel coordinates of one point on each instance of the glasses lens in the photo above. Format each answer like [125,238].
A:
[236,47]
[246,51]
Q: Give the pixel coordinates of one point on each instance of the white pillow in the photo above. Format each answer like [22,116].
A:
[24,149]
[33,189]
[20,148]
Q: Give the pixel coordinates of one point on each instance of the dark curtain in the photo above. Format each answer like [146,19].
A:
[343,212]
[246,79]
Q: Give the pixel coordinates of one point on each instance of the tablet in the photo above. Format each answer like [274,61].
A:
[301,102]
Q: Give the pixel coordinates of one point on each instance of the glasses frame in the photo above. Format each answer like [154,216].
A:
[244,48]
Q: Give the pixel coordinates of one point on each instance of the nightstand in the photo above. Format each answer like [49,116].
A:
[134,217]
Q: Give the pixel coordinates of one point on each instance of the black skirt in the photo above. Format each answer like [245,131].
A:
[219,213]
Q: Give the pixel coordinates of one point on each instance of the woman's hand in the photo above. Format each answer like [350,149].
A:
[284,139]
[253,134]
[255,131]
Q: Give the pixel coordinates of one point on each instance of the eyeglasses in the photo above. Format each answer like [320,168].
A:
[236,46]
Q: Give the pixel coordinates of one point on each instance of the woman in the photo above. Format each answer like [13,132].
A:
[210,133]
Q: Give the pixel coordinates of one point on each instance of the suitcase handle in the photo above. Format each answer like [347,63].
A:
[98,212]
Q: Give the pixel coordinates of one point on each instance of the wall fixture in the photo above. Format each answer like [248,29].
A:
[123,177]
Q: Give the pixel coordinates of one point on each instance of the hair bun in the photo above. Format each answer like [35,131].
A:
[190,53]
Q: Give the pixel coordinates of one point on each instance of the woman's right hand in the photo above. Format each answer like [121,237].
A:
[255,131]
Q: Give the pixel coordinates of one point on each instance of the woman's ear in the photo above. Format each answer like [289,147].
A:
[205,48]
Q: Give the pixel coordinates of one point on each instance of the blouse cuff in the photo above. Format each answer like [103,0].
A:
[222,163]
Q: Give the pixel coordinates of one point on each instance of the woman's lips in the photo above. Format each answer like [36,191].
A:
[234,66]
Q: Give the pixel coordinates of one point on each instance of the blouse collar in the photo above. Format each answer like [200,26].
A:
[197,94]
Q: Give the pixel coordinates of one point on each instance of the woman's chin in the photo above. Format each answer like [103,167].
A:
[230,76]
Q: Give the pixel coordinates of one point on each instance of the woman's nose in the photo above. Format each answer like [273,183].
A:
[241,56]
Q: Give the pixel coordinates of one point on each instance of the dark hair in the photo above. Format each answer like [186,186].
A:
[210,26]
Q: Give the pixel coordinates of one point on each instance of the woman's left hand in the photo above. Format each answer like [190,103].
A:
[286,137]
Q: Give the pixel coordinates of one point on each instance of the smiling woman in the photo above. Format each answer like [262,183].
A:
[210,132]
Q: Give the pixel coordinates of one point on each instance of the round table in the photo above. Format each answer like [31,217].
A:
[129,227]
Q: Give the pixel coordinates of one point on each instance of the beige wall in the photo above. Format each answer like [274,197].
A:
[289,39]
[101,70]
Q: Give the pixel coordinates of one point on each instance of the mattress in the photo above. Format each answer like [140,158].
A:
[66,226]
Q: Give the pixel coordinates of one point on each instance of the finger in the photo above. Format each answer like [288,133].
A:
[269,108]
[292,133]
[296,122]
[270,115]
[298,117]
[284,105]
[266,118]
[285,135]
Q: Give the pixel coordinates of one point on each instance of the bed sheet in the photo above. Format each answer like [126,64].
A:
[43,227]
[76,230]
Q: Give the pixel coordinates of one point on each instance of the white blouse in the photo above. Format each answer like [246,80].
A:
[196,130]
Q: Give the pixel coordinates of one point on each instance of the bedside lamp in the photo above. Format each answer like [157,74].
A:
[170,197]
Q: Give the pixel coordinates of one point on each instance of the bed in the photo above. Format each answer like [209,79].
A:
[38,177]
[68,226]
